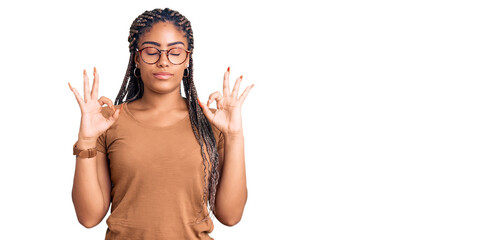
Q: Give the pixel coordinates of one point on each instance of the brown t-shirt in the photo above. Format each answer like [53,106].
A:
[157,179]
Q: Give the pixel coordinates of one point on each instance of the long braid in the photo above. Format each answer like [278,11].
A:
[132,89]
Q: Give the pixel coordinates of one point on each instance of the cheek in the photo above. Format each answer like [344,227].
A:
[179,70]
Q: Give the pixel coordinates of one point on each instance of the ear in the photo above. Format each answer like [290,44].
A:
[136,58]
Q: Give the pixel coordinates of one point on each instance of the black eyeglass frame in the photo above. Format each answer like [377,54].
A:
[160,52]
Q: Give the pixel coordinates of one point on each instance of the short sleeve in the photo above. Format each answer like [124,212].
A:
[101,143]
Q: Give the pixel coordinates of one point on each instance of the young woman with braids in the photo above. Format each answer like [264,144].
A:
[158,157]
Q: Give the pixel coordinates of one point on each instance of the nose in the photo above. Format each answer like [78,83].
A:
[163,59]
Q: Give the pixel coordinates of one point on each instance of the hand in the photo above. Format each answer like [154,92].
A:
[92,122]
[227,117]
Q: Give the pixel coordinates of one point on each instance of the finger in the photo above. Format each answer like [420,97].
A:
[87,95]
[215,96]
[96,83]
[242,98]
[226,82]
[206,110]
[235,90]
[115,116]
[77,95]
[105,100]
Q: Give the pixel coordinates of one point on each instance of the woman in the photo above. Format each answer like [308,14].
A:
[160,158]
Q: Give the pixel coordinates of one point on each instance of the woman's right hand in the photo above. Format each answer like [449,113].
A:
[92,122]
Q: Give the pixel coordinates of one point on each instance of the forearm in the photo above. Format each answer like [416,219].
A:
[86,192]
[232,191]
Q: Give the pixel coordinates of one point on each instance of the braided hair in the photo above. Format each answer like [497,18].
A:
[132,89]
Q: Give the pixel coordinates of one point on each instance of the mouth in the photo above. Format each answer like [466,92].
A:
[162,75]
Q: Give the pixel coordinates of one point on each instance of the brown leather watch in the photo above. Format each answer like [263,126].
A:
[86,153]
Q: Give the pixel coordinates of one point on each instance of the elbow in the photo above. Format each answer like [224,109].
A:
[88,224]
[231,221]
[231,212]
[88,221]
[91,216]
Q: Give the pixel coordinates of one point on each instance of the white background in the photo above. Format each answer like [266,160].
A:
[368,120]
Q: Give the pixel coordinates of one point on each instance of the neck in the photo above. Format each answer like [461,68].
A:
[165,102]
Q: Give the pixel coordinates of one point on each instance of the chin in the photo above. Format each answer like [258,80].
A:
[165,87]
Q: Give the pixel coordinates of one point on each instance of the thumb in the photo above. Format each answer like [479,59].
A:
[207,112]
[115,116]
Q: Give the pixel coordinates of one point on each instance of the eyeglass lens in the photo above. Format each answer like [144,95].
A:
[152,55]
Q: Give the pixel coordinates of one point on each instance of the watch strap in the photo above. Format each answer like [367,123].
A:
[84,153]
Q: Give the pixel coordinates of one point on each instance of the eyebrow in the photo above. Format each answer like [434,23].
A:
[158,44]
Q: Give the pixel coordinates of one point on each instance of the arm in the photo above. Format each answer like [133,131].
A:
[232,192]
[231,195]
[91,182]
[91,187]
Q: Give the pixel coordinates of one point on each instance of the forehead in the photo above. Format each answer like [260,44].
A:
[163,33]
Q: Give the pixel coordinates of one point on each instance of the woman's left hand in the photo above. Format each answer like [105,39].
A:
[227,117]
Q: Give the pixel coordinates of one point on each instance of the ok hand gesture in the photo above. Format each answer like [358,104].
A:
[227,117]
[92,122]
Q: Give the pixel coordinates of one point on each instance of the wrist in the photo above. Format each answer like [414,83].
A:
[86,143]
[230,135]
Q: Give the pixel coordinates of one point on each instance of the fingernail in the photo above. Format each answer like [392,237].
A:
[121,107]
[241,77]
[94,69]
[199,103]
[228,69]
[70,87]
[85,72]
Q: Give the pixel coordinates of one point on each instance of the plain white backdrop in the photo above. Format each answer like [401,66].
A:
[368,119]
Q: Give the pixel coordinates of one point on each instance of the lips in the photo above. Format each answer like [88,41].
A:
[162,75]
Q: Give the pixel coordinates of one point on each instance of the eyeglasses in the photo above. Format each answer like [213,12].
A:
[151,55]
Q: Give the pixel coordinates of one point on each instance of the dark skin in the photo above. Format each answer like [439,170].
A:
[162,105]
